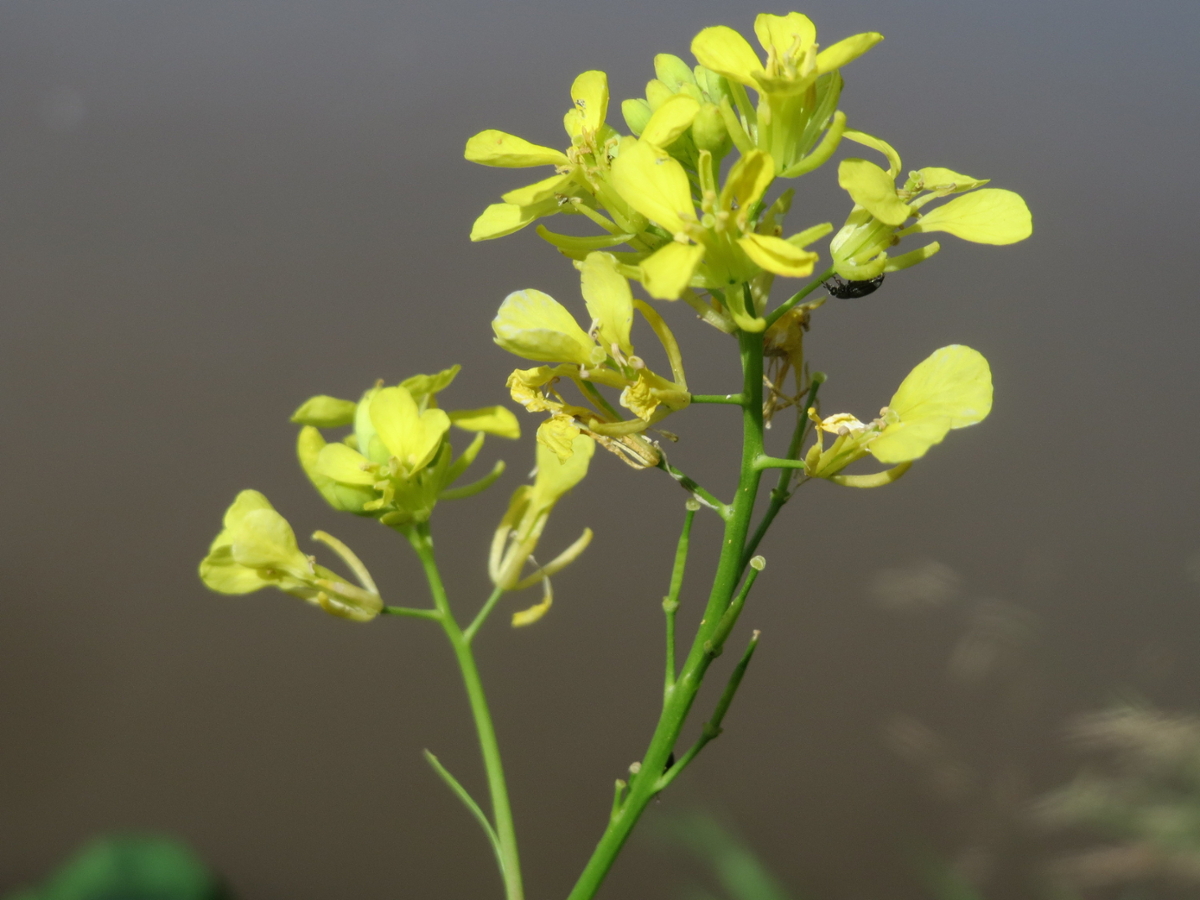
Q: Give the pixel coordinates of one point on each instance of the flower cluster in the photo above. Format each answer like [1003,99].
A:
[397,461]
[537,327]
[394,466]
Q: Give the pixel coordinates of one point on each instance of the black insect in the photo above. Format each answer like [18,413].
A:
[848,290]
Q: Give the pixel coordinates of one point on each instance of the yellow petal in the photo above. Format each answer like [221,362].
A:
[873,189]
[344,465]
[545,189]
[989,216]
[747,181]
[670,120]
[497,420]
[264,540]
[498,148]
[869,140]
[667,272]
[777,255]
[535,612]
[950,389]
[948,181]
[221,573]
[411,436]
[655,185]
[500,219]
[556,473]
[590,94]
[846,50]
[789,36]
[727,53]
[535,326]
[609,300]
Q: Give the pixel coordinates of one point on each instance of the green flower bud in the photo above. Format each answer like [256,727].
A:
[709,131]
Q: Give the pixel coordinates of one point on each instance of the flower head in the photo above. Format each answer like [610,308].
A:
[881,209]
[257,549]
[535,326]
[798,87]
[950,389]
[397,461]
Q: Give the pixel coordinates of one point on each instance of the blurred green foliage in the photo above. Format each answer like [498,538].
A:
[129,867]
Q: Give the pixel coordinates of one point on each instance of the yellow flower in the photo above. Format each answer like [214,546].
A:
[257,549]
[535,326]
[798,87]
[397,462]
[718,247]
[525,521]
[581,172]
[859,249]
[950,389]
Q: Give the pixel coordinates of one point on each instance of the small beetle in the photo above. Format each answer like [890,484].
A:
[848,290]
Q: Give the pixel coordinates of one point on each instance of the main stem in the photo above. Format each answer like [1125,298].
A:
[679,698]
[422,542]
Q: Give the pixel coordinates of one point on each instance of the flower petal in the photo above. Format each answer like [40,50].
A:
[609,300]
[777,255]
[535,326]
[590,95]
[873,189]
[539,191]
[497,420]
[747,181]
[500,219]
[498,148]
[670,120]
[655,185]
[950,389]
[420,386]
[325,412]
[222,574]
[789,36]
[727,53]
[344,465]
[557,474]
[667,272]
[411,436]
[846,50]
[263,539]
[989,216]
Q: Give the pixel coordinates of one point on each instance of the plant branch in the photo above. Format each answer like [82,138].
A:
[671,602]
[712,728]
[510,866]
[471,805]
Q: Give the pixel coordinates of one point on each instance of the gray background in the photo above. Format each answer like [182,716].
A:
[210,211]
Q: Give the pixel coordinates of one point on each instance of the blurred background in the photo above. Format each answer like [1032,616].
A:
[210,211]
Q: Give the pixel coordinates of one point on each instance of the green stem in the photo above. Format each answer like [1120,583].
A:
[798,296]
[732,399]
[481,616]
[412,613]
[783,488]
[712,728]
[671,602]
[645,785]
[703,497]
[422,542]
